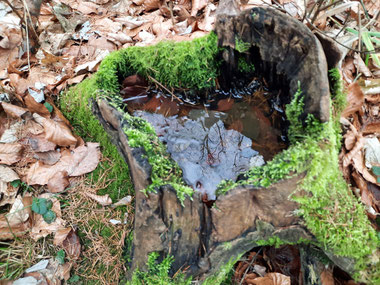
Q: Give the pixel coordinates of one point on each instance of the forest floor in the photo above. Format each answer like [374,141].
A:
[82,237]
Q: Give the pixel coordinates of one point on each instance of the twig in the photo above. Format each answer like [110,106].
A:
[27,39]
[360,30]
[249,266]
[163,87]
[35,35]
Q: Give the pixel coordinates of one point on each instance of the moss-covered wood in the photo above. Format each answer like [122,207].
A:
[320,199]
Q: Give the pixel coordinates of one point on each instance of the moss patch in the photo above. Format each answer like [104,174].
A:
[331,212]
[191,64]
[76,108]
[188,64]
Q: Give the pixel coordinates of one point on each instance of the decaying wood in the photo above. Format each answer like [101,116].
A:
[282,48]
[201,238]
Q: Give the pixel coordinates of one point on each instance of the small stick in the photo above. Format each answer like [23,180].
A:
[163,87]
[249,266]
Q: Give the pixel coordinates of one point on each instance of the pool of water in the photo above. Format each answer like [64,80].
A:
[217,138]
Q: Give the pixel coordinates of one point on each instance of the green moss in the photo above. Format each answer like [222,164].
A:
[158,273]
[224,274]
[187,64]
[77,109]
[164,170]
[190,64]
[330,211]
[244,66]
[241,46]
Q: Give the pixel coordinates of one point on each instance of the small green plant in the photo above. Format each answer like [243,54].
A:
[369,39]
[60,256]
[158,273]
[43,207]
[48,106]
[376,171]
[241,46]
[244,66]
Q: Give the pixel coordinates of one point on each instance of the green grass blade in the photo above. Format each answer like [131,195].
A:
[368,43]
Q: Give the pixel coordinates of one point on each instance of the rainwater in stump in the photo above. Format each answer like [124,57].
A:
[216,134]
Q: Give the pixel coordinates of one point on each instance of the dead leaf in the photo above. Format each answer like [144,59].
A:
[327,277]
[34,128]
[272,278]
[61,235]
[71,245]
[360,65]
[130,22]
[150,5]
[87,8]
[81,160]
[49,157]
[39,143]
[35,107]
[17,216]
[197,5]
[20,84]
[90,66]
[7,174]
[365,195]
[11,134]
[13,110]
[10,153]
[119,38]
[123,202]
[104,200]
[56,132]
[58,182]
[371,128]
[355,99]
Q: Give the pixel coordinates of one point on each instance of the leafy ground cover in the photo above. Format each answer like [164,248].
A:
[91,228]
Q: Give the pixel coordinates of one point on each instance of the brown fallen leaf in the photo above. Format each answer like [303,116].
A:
[355,151]
[13,110]
[123,201]
[10,153]
[56,132]
[71,245]
[197,5]
[34,128]
[365,195]
[17,222]
[7,174]
[49,157]
[81,160]
[39,143]
[355,99]
[371,128]
[272,278]
[360,65]
[61,235]
[104,200]
[327,277]
[58,182]
[35,107]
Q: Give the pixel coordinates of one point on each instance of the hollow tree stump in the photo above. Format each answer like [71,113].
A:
[201,238]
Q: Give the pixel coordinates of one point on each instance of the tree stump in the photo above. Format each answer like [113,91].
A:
[200,237]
